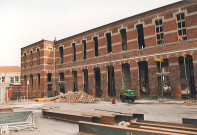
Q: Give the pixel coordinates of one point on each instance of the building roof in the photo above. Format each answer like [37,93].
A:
[10,69]
[137,16]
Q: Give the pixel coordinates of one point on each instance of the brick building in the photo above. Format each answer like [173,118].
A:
[9,80]
[154,53]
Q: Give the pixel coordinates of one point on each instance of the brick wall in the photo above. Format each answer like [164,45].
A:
[171,49]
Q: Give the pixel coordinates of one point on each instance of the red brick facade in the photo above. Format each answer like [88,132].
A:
[178,49]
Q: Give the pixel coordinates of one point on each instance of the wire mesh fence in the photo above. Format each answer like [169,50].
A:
[17,120]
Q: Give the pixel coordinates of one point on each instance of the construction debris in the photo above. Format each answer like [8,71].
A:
[78,97]
[123,123]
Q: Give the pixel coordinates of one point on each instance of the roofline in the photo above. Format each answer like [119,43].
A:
[35,43]
[122,20]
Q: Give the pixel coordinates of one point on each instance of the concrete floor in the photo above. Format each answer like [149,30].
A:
[152,110]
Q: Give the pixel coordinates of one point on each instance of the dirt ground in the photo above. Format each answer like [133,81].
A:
[167,111]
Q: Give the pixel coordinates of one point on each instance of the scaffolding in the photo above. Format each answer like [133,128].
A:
[165,88]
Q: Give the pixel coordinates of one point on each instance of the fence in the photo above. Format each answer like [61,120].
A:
[17,120]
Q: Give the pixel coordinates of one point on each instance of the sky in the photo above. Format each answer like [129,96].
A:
[23,22]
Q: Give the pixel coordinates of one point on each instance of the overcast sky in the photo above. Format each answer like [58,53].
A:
[23,22]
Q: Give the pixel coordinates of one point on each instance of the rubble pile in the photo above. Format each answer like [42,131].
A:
[78,97]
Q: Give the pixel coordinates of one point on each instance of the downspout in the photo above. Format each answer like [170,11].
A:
[54,68]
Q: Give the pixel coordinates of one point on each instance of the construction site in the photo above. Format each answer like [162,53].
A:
[135,76]
[80,114]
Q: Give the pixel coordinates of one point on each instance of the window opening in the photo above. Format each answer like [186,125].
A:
[84,49]
[96,45]
[140,32]
[61,54]
[74,52]
[181,25]
[109,47]
[159,31]
[38,56]
[124,39]
[31,53]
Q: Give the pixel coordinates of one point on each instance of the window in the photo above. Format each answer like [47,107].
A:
[84,49]
[3,79]
[31,53]
[159,31]
[38,56]
[95,46]
[74,52]
[25,60]
[61,54]
[25,82]
[16,79]
[31,82]
[124,39]
[11,79]
[140,32]
[109,47]
[38,75]
[61,76]
[181,25]
[49,77]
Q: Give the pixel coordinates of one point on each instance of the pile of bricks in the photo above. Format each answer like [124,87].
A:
[78,97]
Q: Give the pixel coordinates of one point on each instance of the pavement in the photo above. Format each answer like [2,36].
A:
[154,110]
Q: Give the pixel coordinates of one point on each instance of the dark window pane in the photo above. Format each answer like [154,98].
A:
[161,29]
[160,22]
[180,32]
[158,36]
[184,38]
[159,42]
[183,24]
[184,31]
[178,17]
[157,29]
[156,22]
[179,25]
[162,36]
[182,16]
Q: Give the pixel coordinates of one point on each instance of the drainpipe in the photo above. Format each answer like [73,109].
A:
[54,68]
[110,70]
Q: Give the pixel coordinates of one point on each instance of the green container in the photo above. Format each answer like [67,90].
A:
[128,95]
